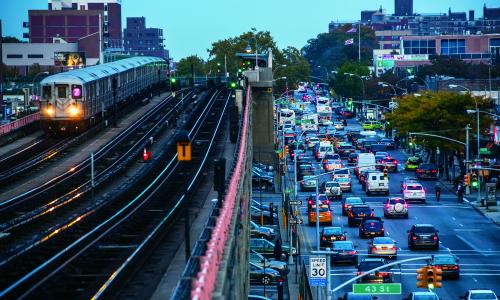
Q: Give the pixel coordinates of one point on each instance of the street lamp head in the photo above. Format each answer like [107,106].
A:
[411,76]
[348,74]
[452,86]
[471,111]
[248,49]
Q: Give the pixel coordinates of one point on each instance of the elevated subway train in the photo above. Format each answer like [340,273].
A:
[74,100]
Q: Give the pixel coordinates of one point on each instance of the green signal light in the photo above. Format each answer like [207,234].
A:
[218,64]
[474,183]
[173,80]
[232,85]
[430,286]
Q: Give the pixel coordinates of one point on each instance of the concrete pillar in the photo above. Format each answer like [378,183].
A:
[262,120]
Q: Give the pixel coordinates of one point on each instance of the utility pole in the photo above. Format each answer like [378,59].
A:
[359,42]
[467,157]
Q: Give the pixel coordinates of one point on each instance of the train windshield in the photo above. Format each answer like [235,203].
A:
[47,92]
[62,91]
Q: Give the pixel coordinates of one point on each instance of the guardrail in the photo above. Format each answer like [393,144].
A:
[4,129]
[211,264]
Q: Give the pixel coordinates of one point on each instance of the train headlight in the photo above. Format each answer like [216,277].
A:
[49,111]
[73,110]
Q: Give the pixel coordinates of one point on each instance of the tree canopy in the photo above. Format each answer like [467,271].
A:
[441,113]
[183,67]
[458,68]
[328,49]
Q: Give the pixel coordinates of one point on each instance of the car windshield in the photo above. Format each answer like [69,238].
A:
[361,210]
[333,230]
[414,188]
[394,201]
[341,171]
[368,265]
[353,200]
[383,240]
[427,166]
[342,246]
[482,295]
[425,297]
[425,229]
[332,184]
[443,260]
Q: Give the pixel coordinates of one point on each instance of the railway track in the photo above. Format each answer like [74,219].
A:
[103,244]
[28,221]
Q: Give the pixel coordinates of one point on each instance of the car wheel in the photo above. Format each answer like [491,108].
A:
[265,279]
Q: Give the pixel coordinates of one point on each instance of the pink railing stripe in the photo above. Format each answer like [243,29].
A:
[205,281]
[4,129]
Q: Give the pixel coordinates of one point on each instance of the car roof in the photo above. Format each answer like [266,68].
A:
[373,259]
[423,293]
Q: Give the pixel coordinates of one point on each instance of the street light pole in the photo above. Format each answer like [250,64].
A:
[34,78]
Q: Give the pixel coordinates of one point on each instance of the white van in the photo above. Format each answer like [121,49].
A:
[377,183]
[366,161]
[324,148]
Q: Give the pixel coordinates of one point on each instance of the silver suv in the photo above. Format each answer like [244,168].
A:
[333,190]
[396,207]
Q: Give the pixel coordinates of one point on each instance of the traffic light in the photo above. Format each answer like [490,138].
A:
[422,277]
[386,173]
[218,67]
[474,181]
[434,278]
[466,180]
[232,85]
[430,278]
[285,149]
[173,84]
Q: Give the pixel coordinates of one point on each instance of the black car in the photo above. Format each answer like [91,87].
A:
[352,159]
[357,213]
[423,236]
[381,276]
[331,234]
[371,227]
[344,251]
[448,264]
[376,147]
[389,143]
[304,169]
[345,150]
[262,275]
[347,202]
[427,171]
[261,180]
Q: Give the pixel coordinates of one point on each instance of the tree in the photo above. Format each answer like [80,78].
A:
[11,39]
[34,70]
[183,67]
[350,86]
[455,67]
[328,49]
[439,113]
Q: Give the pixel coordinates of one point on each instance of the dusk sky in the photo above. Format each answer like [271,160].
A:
[190,26]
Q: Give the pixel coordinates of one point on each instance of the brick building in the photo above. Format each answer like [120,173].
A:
[139,40]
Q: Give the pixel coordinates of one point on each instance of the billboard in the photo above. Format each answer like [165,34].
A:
[69,59]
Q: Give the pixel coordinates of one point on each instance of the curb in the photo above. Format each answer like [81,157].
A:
[484,214]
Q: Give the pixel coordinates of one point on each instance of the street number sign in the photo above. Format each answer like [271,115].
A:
[377,288]
[298,202]
[296,221]
[317,266]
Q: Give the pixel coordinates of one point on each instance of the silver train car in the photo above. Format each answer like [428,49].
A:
[74,100]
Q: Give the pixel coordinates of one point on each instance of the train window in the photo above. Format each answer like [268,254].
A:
[62,91]
[47,92]
[76,91]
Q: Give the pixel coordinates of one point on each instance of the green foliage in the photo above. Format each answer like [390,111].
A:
[439,113]
[297,67]
[184,66]
[328,49]
[34,70]
[350,86]
[11,39]
[457,68]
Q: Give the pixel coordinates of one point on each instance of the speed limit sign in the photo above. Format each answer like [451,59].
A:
[317,271]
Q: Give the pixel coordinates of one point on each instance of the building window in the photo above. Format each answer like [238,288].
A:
[452,46]
[419,47]
[14,56]
[35,55]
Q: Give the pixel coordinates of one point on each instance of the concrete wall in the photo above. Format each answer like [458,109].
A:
[262,120]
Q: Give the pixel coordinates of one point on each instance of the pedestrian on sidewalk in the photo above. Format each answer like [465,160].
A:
[277,249]
[437,189]
[460,192]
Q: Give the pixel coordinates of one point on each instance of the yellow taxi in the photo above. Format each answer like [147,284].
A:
[325,215]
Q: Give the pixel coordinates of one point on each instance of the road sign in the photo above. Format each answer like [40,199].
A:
[295,221]
[297,202]
[317,271]
[377,288]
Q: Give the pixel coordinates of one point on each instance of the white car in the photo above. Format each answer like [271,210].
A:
[414,192]
[383,246]
[338,125]
[343,177]
[479,295]
[332,190]
[395,207]
[376,182]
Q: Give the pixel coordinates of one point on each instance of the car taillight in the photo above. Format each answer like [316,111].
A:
[383,273]
[323,238]
[358,273]
[351,252]
[342,238]
[455,267]
[406,205]
[310,202]
[327,202]
[395,161]
[394,248]
[414,238]
[345,205]
[383,229]
[374,248]
[372,214]
[435,237]
[387,205]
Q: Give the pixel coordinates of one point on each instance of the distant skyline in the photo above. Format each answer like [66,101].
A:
[191,26]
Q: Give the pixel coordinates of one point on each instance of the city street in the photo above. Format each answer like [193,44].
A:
[462,230]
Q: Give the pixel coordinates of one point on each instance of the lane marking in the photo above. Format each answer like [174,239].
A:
[453,218]
[467,230]
[474,246]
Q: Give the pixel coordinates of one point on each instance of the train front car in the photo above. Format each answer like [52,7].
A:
[61,106]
